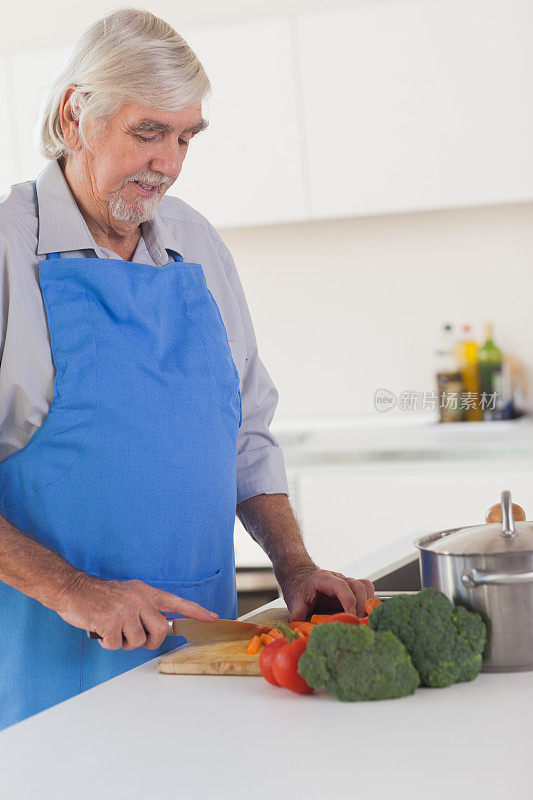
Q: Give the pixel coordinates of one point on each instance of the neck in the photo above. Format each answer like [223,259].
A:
[120,237]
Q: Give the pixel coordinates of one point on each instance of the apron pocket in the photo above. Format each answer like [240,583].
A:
[204,591]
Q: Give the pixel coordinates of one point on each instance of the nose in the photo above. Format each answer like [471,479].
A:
[168,159]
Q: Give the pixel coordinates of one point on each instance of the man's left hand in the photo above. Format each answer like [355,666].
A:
[310,590]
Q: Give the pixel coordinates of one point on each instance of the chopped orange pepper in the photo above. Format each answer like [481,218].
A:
[276,634]
[302,627]
[254,645]
[371,604]
[318,619]
[266,638]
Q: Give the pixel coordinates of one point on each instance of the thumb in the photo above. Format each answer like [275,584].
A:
[165,601]
[298,611]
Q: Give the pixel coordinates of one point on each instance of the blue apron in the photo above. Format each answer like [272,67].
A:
[132,474]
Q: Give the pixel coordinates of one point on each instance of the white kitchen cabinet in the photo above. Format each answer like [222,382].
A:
[380,108]
[247,552]
[246,168]
[348,512]
[418,105]
[29,75]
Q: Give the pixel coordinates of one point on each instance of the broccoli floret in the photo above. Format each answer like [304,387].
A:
[354,663]
[445,643]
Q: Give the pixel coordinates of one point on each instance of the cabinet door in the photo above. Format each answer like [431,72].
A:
[346,513]
[246,169]
[418,105]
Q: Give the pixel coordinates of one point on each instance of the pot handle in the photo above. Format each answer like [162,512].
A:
[472,578]
[494,514]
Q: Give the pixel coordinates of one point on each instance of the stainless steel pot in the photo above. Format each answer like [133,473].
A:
[489,568]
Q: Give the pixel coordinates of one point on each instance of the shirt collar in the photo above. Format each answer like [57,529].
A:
[63,228]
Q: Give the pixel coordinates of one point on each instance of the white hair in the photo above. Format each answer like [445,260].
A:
[129,56]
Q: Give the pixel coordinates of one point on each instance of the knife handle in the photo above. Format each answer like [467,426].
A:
[94,635]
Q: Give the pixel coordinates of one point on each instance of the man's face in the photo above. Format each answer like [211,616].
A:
[140,145]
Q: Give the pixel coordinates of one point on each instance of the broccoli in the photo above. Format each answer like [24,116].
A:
[357,664]
[445,643]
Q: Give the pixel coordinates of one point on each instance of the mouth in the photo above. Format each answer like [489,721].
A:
[146,188]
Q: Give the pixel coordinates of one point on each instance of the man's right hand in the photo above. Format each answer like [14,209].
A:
[126,614]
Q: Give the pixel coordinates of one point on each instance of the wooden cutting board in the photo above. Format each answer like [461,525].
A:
[223,658]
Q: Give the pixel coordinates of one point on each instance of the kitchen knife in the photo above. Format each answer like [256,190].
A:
[224,630]
[221,630]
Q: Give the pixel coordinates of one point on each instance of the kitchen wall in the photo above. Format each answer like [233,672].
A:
[344,307]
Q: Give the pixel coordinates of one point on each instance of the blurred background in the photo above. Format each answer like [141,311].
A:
[370,166]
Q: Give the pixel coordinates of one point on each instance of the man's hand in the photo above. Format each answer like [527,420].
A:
[310,590]
[126,614]
[270,521]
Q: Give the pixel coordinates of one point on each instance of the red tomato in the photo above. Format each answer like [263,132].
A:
[285,666]
[266,658]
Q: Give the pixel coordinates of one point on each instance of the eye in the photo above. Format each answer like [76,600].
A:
[153,138]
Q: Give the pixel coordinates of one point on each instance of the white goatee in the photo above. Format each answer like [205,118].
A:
[135,211]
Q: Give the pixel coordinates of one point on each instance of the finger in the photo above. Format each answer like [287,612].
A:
[367,583]
[171,602]
[155,625]
[355,585]
[369,586]
[360,591]
[111,640]
[369,590]
[332,585]
[133,633]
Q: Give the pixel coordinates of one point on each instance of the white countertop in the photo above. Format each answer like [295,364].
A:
[404,436]
[145,735]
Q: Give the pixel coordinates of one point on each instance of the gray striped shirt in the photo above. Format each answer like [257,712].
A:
[29,230]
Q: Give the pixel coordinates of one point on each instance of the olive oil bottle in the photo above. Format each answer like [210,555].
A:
[491,377]
[466,354]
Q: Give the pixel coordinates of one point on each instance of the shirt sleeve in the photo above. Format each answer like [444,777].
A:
[4,298]
[260,463]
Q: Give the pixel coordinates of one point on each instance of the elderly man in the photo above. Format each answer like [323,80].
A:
[135,409]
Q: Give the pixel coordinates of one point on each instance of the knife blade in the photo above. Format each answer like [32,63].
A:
[197,632]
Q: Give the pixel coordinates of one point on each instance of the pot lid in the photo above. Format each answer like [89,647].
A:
[505,537]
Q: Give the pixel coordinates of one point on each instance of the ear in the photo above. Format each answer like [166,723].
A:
[69,119]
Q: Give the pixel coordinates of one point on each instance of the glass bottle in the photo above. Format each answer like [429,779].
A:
[491,377]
